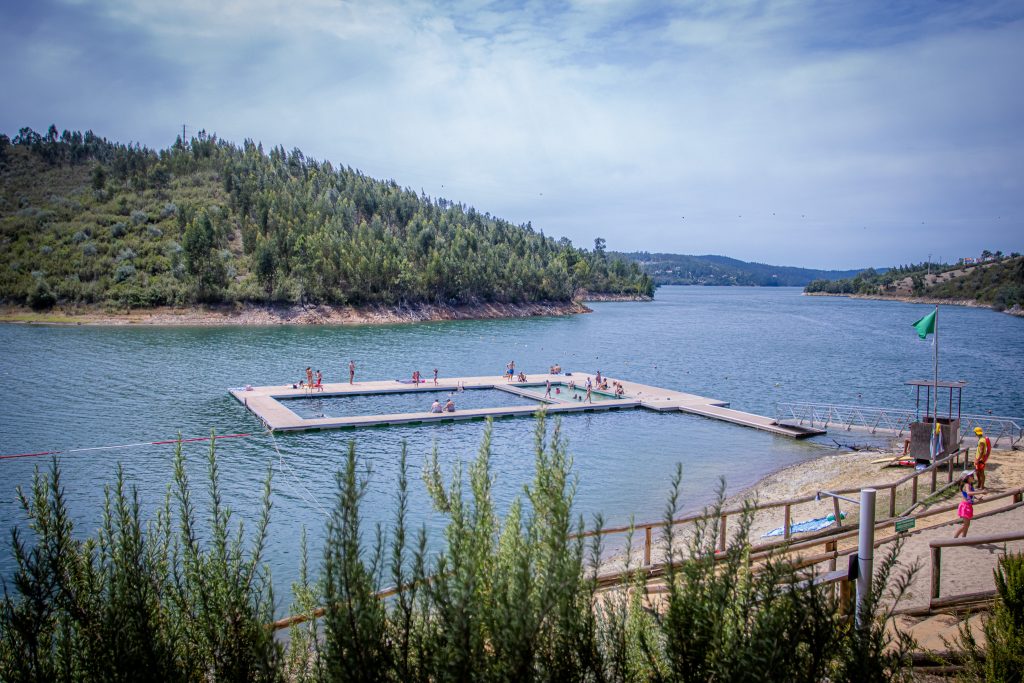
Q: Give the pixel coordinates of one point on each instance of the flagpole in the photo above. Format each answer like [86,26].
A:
[935,415]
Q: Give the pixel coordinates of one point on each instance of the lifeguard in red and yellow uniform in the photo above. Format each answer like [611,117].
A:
[981,456]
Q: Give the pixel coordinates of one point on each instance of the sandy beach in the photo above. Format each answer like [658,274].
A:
[964,570]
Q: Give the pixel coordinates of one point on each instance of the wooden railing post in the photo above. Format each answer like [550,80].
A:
[936,571]
[835,509]
[935,476]
[722,535]
[785,524]
[892,500]
[830,547]
[845,597]
[647,545]
[913,494]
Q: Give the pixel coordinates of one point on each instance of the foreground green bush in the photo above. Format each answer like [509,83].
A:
[138,601]
[507,599]
[1002,660]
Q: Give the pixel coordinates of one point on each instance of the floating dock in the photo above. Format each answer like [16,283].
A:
[269,403]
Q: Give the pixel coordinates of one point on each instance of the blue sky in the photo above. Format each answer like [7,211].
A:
[819,134]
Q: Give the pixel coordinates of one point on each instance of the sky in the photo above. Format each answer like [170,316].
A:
[817,134]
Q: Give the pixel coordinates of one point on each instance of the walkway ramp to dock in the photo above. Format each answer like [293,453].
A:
[657,398]
[751,420]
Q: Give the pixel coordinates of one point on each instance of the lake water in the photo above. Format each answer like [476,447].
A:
[75,387]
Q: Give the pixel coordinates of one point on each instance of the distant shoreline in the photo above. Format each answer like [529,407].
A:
[265,315]
[970,303]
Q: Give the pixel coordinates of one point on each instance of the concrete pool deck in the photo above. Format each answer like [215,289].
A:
[268,403]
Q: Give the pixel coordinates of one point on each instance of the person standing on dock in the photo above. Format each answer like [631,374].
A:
[981,457]
[319,381]
[435,377]
[510,370]
[309,378]
[351,371]
[547,390]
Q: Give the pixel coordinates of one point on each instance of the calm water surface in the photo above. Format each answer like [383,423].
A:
[74,387]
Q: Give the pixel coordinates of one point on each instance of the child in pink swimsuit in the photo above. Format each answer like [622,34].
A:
[966,509]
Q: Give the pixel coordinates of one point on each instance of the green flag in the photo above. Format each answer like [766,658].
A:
[926,325]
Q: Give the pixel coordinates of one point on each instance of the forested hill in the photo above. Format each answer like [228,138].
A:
[87,221]
[994,280]
[680,269]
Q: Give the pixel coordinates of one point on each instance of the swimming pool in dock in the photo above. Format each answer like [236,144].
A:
[313,406]
[560,391]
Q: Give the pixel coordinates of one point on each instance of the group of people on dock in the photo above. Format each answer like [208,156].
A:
[417,378]
[315,381]
[448,407]
[309,384]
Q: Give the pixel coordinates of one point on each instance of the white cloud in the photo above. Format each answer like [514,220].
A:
[605,118]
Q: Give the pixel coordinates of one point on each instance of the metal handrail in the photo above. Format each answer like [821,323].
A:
[892,420]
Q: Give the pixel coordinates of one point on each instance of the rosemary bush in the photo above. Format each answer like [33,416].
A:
[137,601]
[512,598]
[1003,659]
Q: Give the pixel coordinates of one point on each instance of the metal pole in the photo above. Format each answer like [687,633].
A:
[865,552]
[935,419]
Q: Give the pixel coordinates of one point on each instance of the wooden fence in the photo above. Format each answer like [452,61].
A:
[937,546]
[911,482]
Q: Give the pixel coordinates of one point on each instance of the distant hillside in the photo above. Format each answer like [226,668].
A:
[996,281]
[85,221]
[680,269]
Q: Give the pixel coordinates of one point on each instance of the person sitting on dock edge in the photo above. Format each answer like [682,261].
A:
[449,407]
[435,407]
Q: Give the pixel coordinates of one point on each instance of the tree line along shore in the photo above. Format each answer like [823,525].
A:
[996,282]
[95,226]
[270,314]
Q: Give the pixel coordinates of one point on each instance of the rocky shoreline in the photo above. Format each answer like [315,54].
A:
[971,303]
[586,296]
[261,315]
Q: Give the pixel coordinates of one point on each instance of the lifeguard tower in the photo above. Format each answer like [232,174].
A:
[924,426]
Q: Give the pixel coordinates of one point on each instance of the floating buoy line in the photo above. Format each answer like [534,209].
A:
[124,445]
[296,485]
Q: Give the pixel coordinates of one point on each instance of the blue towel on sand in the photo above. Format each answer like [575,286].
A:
[816,524]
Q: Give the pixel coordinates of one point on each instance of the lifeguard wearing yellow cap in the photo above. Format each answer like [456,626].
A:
[979,431]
